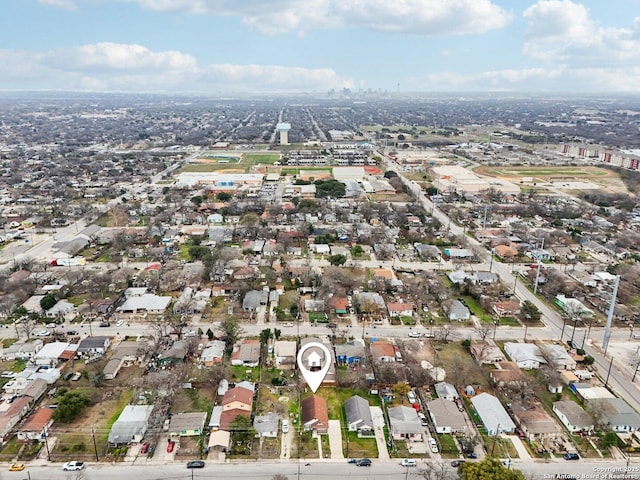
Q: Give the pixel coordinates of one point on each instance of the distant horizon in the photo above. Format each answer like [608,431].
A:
[337,96]
[224,46]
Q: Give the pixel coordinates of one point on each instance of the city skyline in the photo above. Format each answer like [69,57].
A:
[219,46]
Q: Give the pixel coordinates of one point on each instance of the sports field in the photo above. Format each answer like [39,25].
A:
[545,173]
[213,162]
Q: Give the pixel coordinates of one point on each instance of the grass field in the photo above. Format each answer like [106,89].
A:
[544,172]
[260,158]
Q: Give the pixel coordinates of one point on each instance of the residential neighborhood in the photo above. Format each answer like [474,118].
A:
[167,314]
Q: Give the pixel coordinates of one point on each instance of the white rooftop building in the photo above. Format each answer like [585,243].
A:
[493,415]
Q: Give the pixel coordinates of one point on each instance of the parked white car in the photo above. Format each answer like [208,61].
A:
[433,445]
[73,466]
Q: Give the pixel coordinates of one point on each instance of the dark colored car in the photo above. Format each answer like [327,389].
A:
[195,464]
[571,456]
[457,463]
[72,332]
[105,324]
[472,456]
[144,448]
[363,462]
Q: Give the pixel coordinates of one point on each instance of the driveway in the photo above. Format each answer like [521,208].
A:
[378,422]
[335,440]
[523,453]
[285,450]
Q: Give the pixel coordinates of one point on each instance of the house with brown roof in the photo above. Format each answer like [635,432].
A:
[383,351]
[506,373]
[383,273]
[38,423]
[506,308]
[505,251]
[238,401]
[10,417]
[486,352]
[238,398]
[315,416]
[247,353]
[400,309]
[534,421]
[339,304]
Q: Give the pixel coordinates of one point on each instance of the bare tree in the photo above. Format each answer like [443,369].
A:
[435,470]
[483,330]
[27,326]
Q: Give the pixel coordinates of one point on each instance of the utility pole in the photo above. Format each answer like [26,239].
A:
[612,307]
[606,382]
[95,446]
[535,286]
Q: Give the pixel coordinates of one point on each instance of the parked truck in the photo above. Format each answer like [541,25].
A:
[68,262]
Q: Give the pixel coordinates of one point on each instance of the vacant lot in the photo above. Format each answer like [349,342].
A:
[545,172]
[461,369]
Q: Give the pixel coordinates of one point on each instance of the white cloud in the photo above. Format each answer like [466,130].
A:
[424,17]
[110,66]
[558,79]
[118,56]
[562,31]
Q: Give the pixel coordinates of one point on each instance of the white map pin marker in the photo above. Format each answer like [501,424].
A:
[314,378]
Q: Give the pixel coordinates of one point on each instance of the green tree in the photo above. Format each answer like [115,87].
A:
[609,440]
[224,196]
[70,405]
[209,334]
[529,313]
[276,333]
[265,336]
[232,331]
[196,200]
[48,301]
[356,251]
[490,468]
[337,260]
[588,360]
[401,388]
[97,379]
[242,429]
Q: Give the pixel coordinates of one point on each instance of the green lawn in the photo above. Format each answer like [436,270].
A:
[448,446]
[260,158]
[334,405]
[359,447]
[476,309]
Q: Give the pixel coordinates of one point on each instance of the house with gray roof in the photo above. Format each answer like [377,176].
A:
[93,346]
[617,414]
[405,424]
[358,416]
[573,416]
[252,301]
[446,390]
[526,355]
[446,417]
[131,425]
[190,424]
[175,354]
[352,353]
[493,415]
[457,311]
[267,425]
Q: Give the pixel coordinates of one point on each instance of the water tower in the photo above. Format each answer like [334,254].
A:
[283,130]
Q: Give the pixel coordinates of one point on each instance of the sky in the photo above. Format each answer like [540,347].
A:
[313,46]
